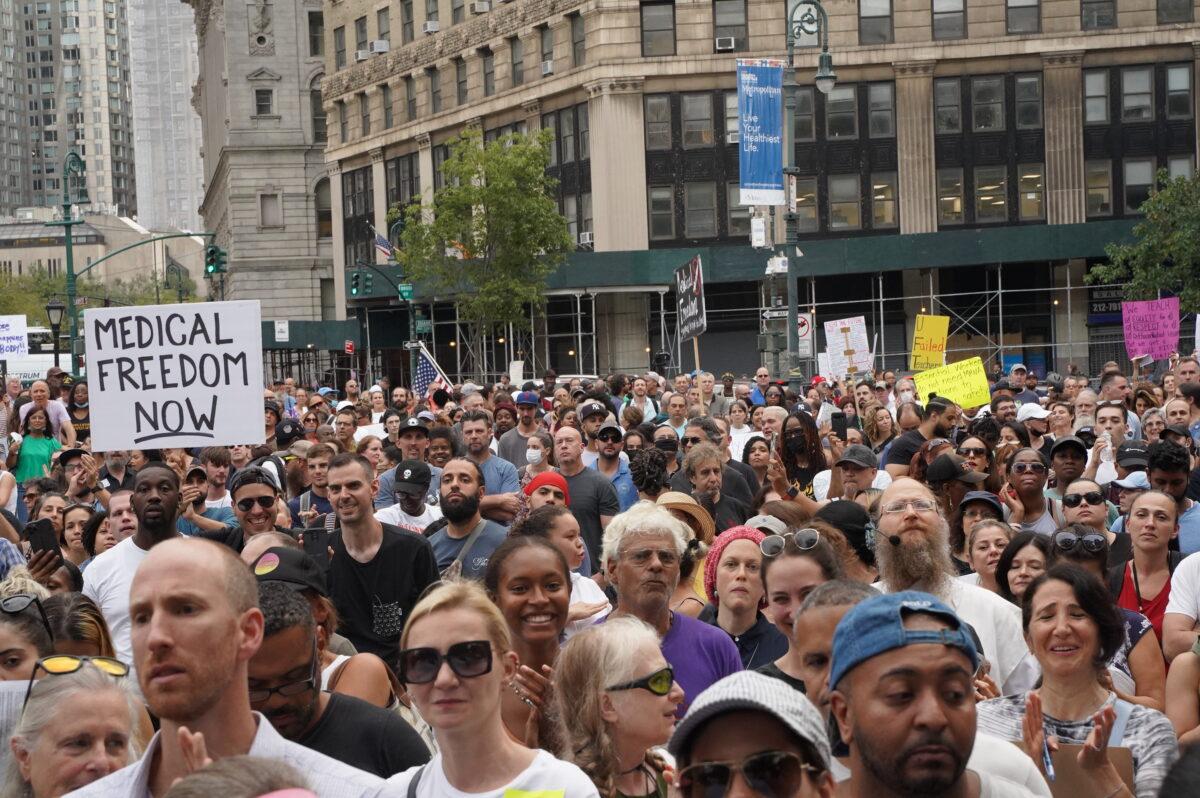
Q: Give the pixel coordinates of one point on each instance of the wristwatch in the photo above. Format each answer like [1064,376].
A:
[793,492]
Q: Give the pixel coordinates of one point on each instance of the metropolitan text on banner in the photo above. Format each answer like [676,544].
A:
[760,131]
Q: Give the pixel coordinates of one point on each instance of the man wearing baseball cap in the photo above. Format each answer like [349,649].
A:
[592,414]
[413,442]
[512,444]
[410,479]
[902,692]
[1068,458]
[856,470]
[612,462]
[950,477]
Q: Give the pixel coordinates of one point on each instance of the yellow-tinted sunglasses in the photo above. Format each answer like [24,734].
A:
[61,664]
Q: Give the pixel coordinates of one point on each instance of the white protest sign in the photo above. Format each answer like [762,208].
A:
[848,347]
[164,376]
[283,332]
[13,338]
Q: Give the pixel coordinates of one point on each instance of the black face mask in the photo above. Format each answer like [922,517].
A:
[667,445]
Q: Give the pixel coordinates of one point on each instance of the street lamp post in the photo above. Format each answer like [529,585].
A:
[806,17]
[54,314]
[73,165]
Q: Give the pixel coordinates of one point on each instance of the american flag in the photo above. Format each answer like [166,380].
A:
[383,245]
[430,376]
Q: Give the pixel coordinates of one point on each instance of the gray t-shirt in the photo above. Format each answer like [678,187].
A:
[592,495]
[512,446]
[474,564]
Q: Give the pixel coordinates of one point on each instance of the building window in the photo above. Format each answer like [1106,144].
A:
[732,120]
[516,60]
[658,122]
[578,40]
[546,43]
[874,21]
[264,102]
[441,154]
[489,72]
[383,24]
[582,123]
[339,47]
[881,110]
[570,210]
[566,134]
[385,95]
[658,29]
[662,212]
[1095,96]
[343,123]
[269,212]
[845,211]
[324,206]
[406,21]
[991,194]
[987,104]
[1180,166]
[1099,188]
[435,89]
[1139,180]
[1179,91]
[841,113]
[804,126]
[316,33]
[360,34]
[364,113]
[585,205]
[1029,102]
[460,81]
[950,196]
[1098,14]
[550,122]
[410,98]
[458,12]
[1137,94]
[699,210]
[729,22]
[738,220]
[1031,191]
[884,208]
[949,19]
[318,114]
[1171,11]
[431,10]
[697,115]
[947,106]
[1024,16]
[805,203]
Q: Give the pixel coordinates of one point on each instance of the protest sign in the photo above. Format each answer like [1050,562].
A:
[1151,327]
[964,383]
[929,342]
[823,366]
[689,299]
[175,375]
[14,340]
[848,348]
[760,131]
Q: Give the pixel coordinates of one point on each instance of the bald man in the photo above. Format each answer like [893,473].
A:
[191,644]
[594,500]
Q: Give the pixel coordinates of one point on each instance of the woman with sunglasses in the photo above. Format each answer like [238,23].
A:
[734,587]
[530,581]
[1144,583]
[977,454]
[70,541]
[456,660]
[616,700]
[1083,502]
[1024,559]
[1136,673]
[794,564]
[77,726]
[985,544]
[1026,506]
[309,422]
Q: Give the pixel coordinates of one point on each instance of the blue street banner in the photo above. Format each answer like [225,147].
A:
[760,128]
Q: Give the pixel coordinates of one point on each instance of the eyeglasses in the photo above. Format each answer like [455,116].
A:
[263,694]
[920,505]
[264,502]
[1021,468]
[658,682]
[802,539]
[62,664]
[776,774]
[642,556]
[609,437]
[468,660]
[18,603]
[691,441]
[969,451]
[1092,497]
[1092,542]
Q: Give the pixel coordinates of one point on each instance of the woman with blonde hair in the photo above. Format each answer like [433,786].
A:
[457,660]
[616,698]
[78,626]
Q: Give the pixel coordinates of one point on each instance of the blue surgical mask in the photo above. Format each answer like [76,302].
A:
[533,456]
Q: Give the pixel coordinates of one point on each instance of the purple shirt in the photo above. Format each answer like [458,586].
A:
[700,654]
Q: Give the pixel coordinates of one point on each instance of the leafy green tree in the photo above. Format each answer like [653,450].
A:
[1166,255]
[28,293]
[494,234]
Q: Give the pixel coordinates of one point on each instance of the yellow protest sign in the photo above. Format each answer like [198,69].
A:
[929,342]
[964,383]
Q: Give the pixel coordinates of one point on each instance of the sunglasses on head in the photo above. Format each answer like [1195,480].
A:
[19,602]
[264,502]
[468,660]
[658,682]
[1021,468]
[802,539]
[1092,497]
[61,664]
[1091,542]
[776,774]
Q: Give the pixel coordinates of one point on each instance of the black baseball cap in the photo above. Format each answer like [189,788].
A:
[1133,453]
[413,422]
[946,467]
[292,567]
[287,432]
[589,409]
[68,455]
[412,475]
[1069,440]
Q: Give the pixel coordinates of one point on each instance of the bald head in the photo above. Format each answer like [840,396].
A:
[217,562]
[905,487]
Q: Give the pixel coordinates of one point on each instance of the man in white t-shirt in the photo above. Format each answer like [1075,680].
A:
[108,578]
[410,511]
[1183,608]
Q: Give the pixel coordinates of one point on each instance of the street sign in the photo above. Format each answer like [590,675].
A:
[283,332]
[348,347]
[406,291]
[412,344]
[804,335]
[774,313]
[424,326]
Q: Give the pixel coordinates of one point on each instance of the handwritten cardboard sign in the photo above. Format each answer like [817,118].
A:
[164,376]
[1151,327]
[964,383]
[14,340]
[848,347]
[929,342]
[689,298]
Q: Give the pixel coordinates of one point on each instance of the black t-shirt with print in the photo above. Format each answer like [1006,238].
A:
[373,599]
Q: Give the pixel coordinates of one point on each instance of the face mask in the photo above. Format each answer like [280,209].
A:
[667,445]
[906,396]
[81,404]
[533,456]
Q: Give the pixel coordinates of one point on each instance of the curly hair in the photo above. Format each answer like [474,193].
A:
[648,468]
[809,450]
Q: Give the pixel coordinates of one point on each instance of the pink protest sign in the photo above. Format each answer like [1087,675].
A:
[1151,327]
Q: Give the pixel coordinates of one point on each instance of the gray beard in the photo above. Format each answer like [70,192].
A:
[924,566]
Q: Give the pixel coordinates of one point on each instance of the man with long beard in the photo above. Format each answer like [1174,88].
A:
[912,551]
[466,543]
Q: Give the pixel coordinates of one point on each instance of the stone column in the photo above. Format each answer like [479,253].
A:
[1062,103]
[914,147]
[379,197]
[618,164]
[339,240]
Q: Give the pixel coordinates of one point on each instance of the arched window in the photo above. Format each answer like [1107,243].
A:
[324,209]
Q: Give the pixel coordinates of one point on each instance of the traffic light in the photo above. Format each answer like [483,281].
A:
[355,282]
[368,281]
[214,260]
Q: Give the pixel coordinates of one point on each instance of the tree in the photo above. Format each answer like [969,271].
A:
[1165,258]
[494,234]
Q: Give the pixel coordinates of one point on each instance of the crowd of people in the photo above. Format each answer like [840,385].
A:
[629,586]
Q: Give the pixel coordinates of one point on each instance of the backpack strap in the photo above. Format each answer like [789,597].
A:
[416,779]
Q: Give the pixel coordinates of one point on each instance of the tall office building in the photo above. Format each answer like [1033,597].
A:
[166,129]
[14,135]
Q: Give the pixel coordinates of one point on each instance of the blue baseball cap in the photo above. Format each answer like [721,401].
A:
[528,398]
[876,626]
